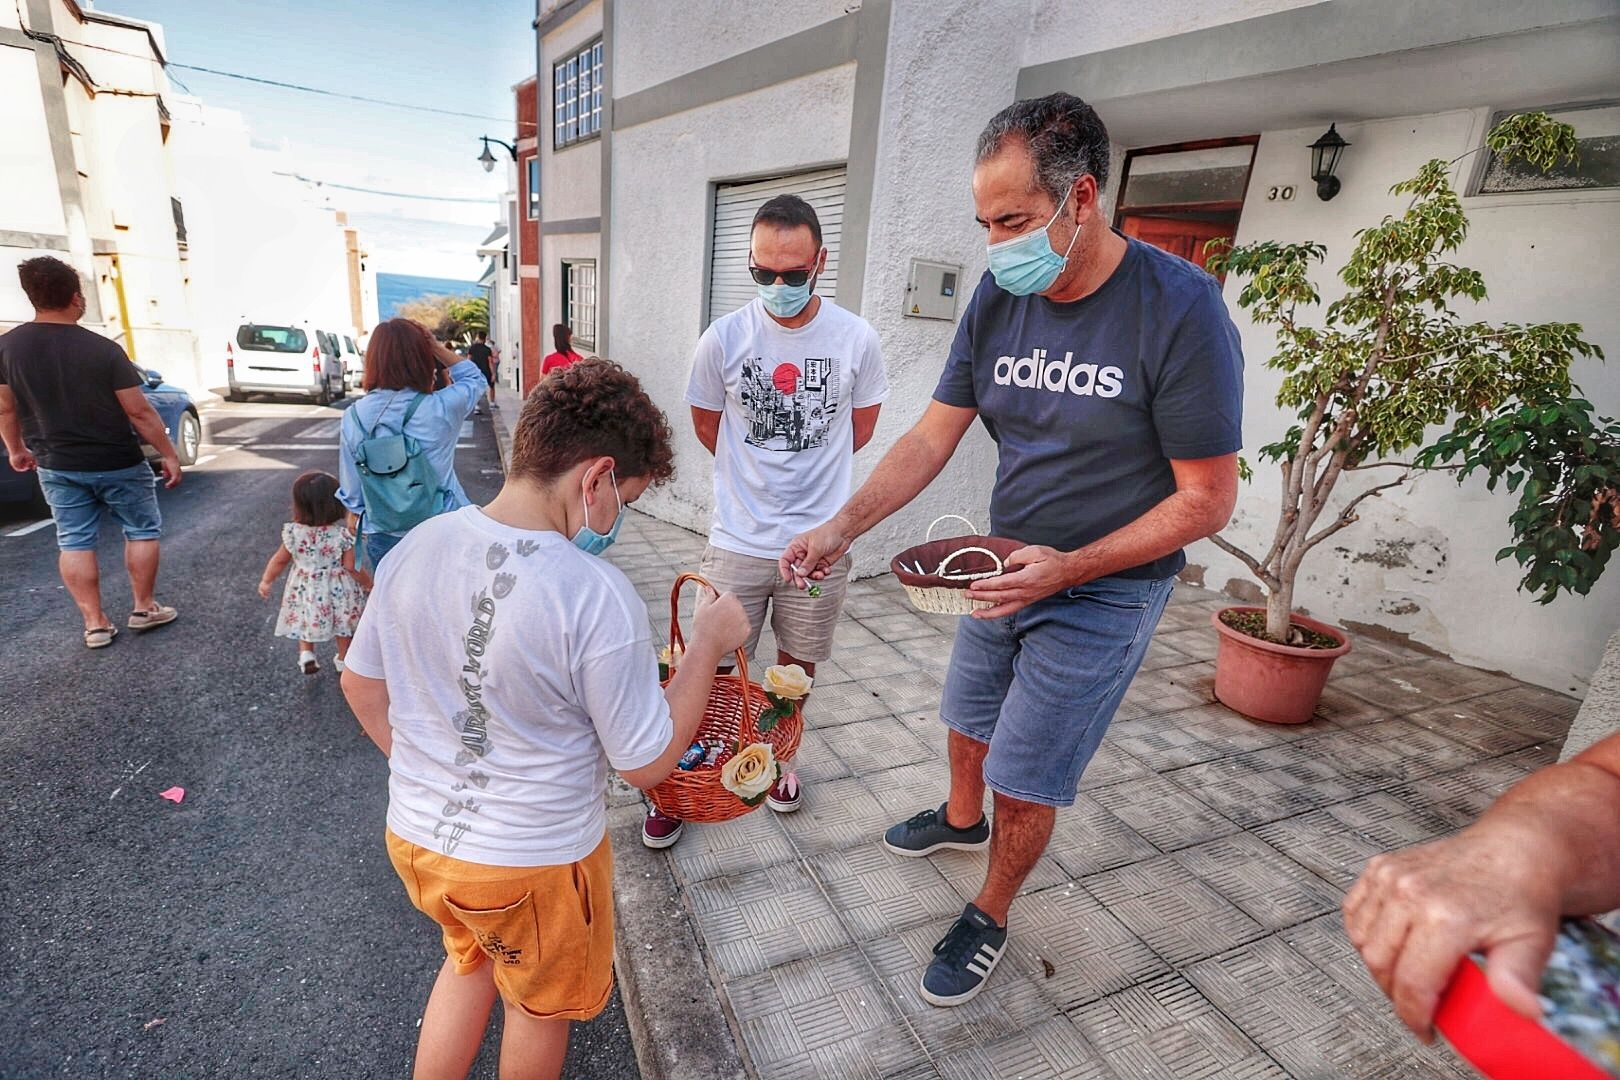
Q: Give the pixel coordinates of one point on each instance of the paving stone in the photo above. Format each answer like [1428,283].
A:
[909,789]
[965,870]
[850,635]
[1408,687]
[758,920]
[874,660]
[1203,733]
[740,846]
[1161,813]
[1087,838]
[841,703]
[1343,709]
[1267,885]
[1463,723]
[1161,655]
[908,692]
[1111,765]
[1531,709]
[865,605]
[1199,643]
[1009,1005]
[1091,952]
[1266,785]
[1166,1028]
[870,746]
[893,623]
[1390,752]
[1367,654]
[816,762]
[1308,1022]
[877,893]
[1323,844]
[822,1016]
[1153,693]
[835,815]
[1164,904]
[1054,1050]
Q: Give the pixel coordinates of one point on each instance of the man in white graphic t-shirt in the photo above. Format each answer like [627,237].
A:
[783,392]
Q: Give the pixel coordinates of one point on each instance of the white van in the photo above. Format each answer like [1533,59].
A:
[279,358]
[354,363]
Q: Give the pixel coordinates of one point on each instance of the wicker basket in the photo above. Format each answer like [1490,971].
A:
[730,716]
[937,573]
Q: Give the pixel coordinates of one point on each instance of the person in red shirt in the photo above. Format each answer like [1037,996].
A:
[563,338]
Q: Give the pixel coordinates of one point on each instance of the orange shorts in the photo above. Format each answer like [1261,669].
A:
[548,929]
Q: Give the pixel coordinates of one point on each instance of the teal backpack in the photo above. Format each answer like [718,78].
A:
[400,485]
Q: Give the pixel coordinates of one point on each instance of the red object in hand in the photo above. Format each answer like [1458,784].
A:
[1499,1042]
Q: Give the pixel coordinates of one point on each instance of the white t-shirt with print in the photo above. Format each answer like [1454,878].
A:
[786,446]
[519,669]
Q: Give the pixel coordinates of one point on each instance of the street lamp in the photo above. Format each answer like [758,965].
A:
[487,159]
[1325,153]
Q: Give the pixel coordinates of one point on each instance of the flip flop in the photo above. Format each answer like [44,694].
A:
[100,637]
[159,615]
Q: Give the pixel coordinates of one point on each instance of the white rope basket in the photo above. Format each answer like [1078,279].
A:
[949,599]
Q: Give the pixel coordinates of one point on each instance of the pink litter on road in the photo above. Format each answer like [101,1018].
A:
[174,794]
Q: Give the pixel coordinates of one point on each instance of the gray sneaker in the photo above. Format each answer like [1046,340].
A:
[928,832]
[964,959]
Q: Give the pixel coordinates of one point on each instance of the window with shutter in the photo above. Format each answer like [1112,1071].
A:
[730,287]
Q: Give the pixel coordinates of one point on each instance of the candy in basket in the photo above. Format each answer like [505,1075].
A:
[937,573]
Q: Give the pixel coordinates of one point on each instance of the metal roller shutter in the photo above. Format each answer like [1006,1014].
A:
[730,287]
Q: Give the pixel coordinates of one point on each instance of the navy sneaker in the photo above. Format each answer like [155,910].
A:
[964,959]
[928,832]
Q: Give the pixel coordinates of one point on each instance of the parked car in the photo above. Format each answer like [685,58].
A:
[179,415]
[173,405]
[297,359]
[354,363]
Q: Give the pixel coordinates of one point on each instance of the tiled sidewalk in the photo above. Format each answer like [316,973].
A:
[1184,921]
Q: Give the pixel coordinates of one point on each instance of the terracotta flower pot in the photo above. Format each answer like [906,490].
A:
[1279,684]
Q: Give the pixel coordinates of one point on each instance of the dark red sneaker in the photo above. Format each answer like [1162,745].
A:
[785,796]
[659,831]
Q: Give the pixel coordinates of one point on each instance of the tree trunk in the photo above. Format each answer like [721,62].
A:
[1279,611]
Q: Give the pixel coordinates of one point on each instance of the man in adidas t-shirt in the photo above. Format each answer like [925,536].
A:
[1109,374]
[783,392]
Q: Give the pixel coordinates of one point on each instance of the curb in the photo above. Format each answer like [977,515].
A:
[678,1026]
[509,402]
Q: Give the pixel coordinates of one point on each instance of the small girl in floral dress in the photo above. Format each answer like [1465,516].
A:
[325,594]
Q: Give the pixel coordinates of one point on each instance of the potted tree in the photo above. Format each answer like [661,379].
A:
[1390,361]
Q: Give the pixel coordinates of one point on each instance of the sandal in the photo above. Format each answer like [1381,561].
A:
[100,637]
[158,615]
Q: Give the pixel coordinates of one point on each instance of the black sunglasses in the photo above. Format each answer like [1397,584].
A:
[763,276]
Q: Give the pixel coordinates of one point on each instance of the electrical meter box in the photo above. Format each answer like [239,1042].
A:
[931,290]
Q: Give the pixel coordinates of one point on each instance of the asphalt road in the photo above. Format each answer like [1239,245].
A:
[256,929]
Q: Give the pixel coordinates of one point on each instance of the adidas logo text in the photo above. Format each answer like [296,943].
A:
[1039,371]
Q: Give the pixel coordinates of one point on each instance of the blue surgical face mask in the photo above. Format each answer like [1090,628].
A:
[1027,264]
[785,301]
[588,539]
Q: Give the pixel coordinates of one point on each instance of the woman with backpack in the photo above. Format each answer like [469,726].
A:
[397,459]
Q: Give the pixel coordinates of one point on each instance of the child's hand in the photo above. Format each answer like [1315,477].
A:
[363,578]
[264,590]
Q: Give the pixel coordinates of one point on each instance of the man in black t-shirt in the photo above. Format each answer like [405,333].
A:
[71,407]
[481,354]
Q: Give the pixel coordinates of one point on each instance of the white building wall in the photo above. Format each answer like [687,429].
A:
[1058,31]
[571,178]
[657,41]
[1421,560]
[660,220]
[32,201]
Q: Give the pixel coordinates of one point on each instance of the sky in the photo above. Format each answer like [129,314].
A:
[460,55]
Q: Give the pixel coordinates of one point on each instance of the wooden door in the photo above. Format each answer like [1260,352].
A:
[1179,236]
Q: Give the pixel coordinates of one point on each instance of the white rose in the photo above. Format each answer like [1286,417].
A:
[750,774]
[789,682]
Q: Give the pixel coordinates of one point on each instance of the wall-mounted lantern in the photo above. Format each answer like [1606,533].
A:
[487,159]
[1325,153]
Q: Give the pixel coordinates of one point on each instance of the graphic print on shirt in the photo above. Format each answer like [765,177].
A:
[788,408]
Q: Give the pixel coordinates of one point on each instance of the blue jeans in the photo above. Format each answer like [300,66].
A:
[77,499]
[1041,685]
[379,544]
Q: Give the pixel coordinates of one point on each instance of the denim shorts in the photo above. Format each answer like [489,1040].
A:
[77,499]
[377,545]
[1042,685]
